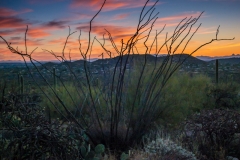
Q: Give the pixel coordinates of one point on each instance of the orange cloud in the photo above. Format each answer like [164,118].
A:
[57,41]
[225,46]
[33,43]
[37,33]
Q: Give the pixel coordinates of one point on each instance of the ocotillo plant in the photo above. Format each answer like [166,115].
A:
[21,85]
[54,78]
[216,71]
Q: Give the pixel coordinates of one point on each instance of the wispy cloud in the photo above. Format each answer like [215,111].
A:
[175,19]
[226,46]
[43,1]
[34,43]
[20,42]
[16,38]
[120,16]
[57,41]
[117,32]
[38,33]
[9,19]
[14,25]
[109,5]
[7,12]
[179,16]
[6,32]
[208,30]
[34,32]
[55,24]
[12,22]
[216,0]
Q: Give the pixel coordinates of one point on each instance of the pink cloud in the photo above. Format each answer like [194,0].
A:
[9,20]
[17,42]
[179,16]
[117,32]
[34,32]
[12,22]
[13,25]
[37,33]
[57,41]
[175,19]
[30,42]
[120,16]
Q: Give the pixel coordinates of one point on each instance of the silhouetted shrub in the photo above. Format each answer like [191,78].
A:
[27,134]
[215,132]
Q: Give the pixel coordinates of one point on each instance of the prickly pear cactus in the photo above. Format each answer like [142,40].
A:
[124,156]
[100,148]
[83,151]
[87,154]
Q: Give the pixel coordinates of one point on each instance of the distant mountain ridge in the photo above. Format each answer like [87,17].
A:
[208,58]
[227,61]
[150,58]
[176,57]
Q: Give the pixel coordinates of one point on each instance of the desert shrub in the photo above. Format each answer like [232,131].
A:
[164,148]
[215,133]
[27,134]
[183,96]
[71,98]
[224,95]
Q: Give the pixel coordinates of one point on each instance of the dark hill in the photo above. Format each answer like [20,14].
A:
[188,59]
[227,61]
[137,57]
[79,63]
[50,65]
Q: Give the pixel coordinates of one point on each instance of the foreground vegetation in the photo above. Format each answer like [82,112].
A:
[197,120]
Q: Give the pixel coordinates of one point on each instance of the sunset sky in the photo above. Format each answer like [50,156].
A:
[48,22]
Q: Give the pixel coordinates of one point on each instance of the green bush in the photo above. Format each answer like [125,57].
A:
[223,95]
[69,95]
[183,96]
